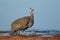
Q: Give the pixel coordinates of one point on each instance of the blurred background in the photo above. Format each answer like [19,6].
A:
[46,13]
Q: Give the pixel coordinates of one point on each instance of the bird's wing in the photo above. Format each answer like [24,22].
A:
[22,21]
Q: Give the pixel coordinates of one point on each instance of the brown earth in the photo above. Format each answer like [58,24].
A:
[20,37]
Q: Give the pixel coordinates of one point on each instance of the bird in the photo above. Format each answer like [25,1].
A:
[23,23]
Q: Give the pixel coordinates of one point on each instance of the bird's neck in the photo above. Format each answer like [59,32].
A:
[32,15]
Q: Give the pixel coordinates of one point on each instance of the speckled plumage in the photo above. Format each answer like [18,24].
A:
[23,23]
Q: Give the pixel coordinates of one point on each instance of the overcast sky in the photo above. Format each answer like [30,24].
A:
[46,13]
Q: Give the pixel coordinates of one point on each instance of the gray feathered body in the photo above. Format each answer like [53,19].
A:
[22,23]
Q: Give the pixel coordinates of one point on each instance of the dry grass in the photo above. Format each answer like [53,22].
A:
[28,38]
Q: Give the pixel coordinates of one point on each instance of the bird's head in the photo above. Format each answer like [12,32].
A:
[31,9]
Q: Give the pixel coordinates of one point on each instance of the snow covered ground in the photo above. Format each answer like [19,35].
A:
[49,33]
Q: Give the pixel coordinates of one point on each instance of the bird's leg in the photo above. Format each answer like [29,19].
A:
[22,32]
[19,32]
